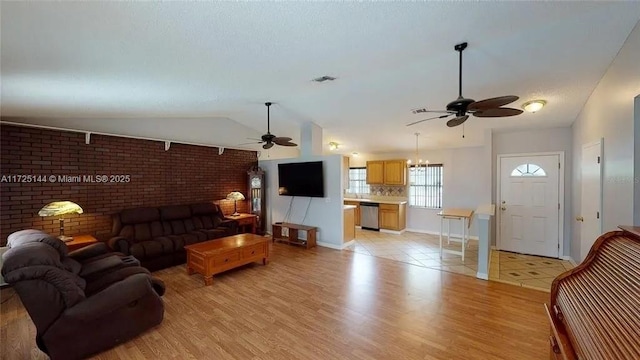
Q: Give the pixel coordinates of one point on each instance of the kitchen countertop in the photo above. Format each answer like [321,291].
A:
[347,207]
[396,202]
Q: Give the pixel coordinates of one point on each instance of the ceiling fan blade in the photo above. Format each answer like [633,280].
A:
[497,112]
[281,139]
[267,146]
[492,103]
[251,143]
[436,117]
[457,121]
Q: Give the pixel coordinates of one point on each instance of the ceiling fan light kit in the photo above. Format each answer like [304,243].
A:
[333,146]
[533,105]
[462,106]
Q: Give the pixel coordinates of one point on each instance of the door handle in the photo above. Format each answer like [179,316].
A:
[579,218]
[503,208]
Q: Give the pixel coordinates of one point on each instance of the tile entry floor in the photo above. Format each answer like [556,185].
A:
[526,270]
[423,250]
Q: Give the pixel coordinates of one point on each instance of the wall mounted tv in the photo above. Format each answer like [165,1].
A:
[301,179]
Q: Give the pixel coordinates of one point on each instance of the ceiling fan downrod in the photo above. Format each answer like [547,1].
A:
[459,48]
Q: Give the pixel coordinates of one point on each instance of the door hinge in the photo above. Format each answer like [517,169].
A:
[558,165]
[558,206]
[598,215]
[558,246]
[598,159]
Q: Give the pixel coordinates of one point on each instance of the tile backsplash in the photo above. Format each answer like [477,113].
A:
[388,190]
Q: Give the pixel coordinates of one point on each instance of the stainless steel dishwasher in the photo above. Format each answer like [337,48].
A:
[369,216]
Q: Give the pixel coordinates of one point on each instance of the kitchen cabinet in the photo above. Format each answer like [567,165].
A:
[345,172]
[395,172]
[356,211]
[349,223]
[392,216]
[375,172]
[387,172]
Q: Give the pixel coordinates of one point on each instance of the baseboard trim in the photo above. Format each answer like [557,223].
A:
[329,245]
[392,231]
[482,276]
[569,259]
[421,231]
[348,243]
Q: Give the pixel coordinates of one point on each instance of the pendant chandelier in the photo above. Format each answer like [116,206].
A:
[417,160]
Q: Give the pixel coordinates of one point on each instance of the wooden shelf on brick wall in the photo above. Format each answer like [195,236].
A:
[293,234]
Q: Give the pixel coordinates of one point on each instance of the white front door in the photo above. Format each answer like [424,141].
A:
[590,213]
[529,204]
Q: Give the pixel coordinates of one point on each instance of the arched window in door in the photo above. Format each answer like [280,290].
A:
[528,170]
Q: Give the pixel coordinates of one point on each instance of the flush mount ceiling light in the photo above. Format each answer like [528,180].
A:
[533,105]
[355,154]
[333,146]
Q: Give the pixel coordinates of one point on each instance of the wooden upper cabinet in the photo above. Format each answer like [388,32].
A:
[375,172]
[345,172]
[395,172]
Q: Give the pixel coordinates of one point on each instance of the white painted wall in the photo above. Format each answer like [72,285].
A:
[608,114]
[536,141]
[636,165]
[325,213]
[465,180]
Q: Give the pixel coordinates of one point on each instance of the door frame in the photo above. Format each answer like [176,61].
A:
[560,155]
[600,195]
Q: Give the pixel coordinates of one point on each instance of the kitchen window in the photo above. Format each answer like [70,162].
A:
[425,186]
[358,180]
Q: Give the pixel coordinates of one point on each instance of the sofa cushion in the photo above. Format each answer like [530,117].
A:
[152,248]
[35,260]
[204,208]
[139,215]
[213,233]
[176,212]
[180,241]
[22,237]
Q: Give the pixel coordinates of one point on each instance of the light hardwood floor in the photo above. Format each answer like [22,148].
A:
[324,304]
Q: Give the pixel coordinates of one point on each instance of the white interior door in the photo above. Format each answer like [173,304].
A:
[529,204]
[590,210]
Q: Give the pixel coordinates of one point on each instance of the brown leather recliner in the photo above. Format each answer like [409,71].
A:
[157,236]
[76,317]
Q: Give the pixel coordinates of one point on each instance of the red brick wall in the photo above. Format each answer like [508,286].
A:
[184,174]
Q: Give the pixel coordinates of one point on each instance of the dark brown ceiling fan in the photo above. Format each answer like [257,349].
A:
[461,107]
[269,139]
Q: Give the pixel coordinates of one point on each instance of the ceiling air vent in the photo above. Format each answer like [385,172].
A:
[324,78]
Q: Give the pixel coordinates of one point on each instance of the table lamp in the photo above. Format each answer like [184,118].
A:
[235,196]
[59,208]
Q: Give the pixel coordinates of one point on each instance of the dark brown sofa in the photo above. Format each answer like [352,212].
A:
[157,235]
[77,312]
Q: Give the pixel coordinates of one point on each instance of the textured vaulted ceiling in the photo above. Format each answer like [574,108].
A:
[221,61]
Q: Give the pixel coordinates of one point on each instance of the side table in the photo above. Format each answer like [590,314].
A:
[80,241]
[245,220]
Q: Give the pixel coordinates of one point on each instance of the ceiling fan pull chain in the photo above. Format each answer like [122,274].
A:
[463,130]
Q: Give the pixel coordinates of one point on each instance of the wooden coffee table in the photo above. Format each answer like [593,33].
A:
[215,256]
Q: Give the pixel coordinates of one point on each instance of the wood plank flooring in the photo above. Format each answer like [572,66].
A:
[324,304]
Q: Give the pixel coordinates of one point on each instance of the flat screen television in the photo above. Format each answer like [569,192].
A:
[301,179]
